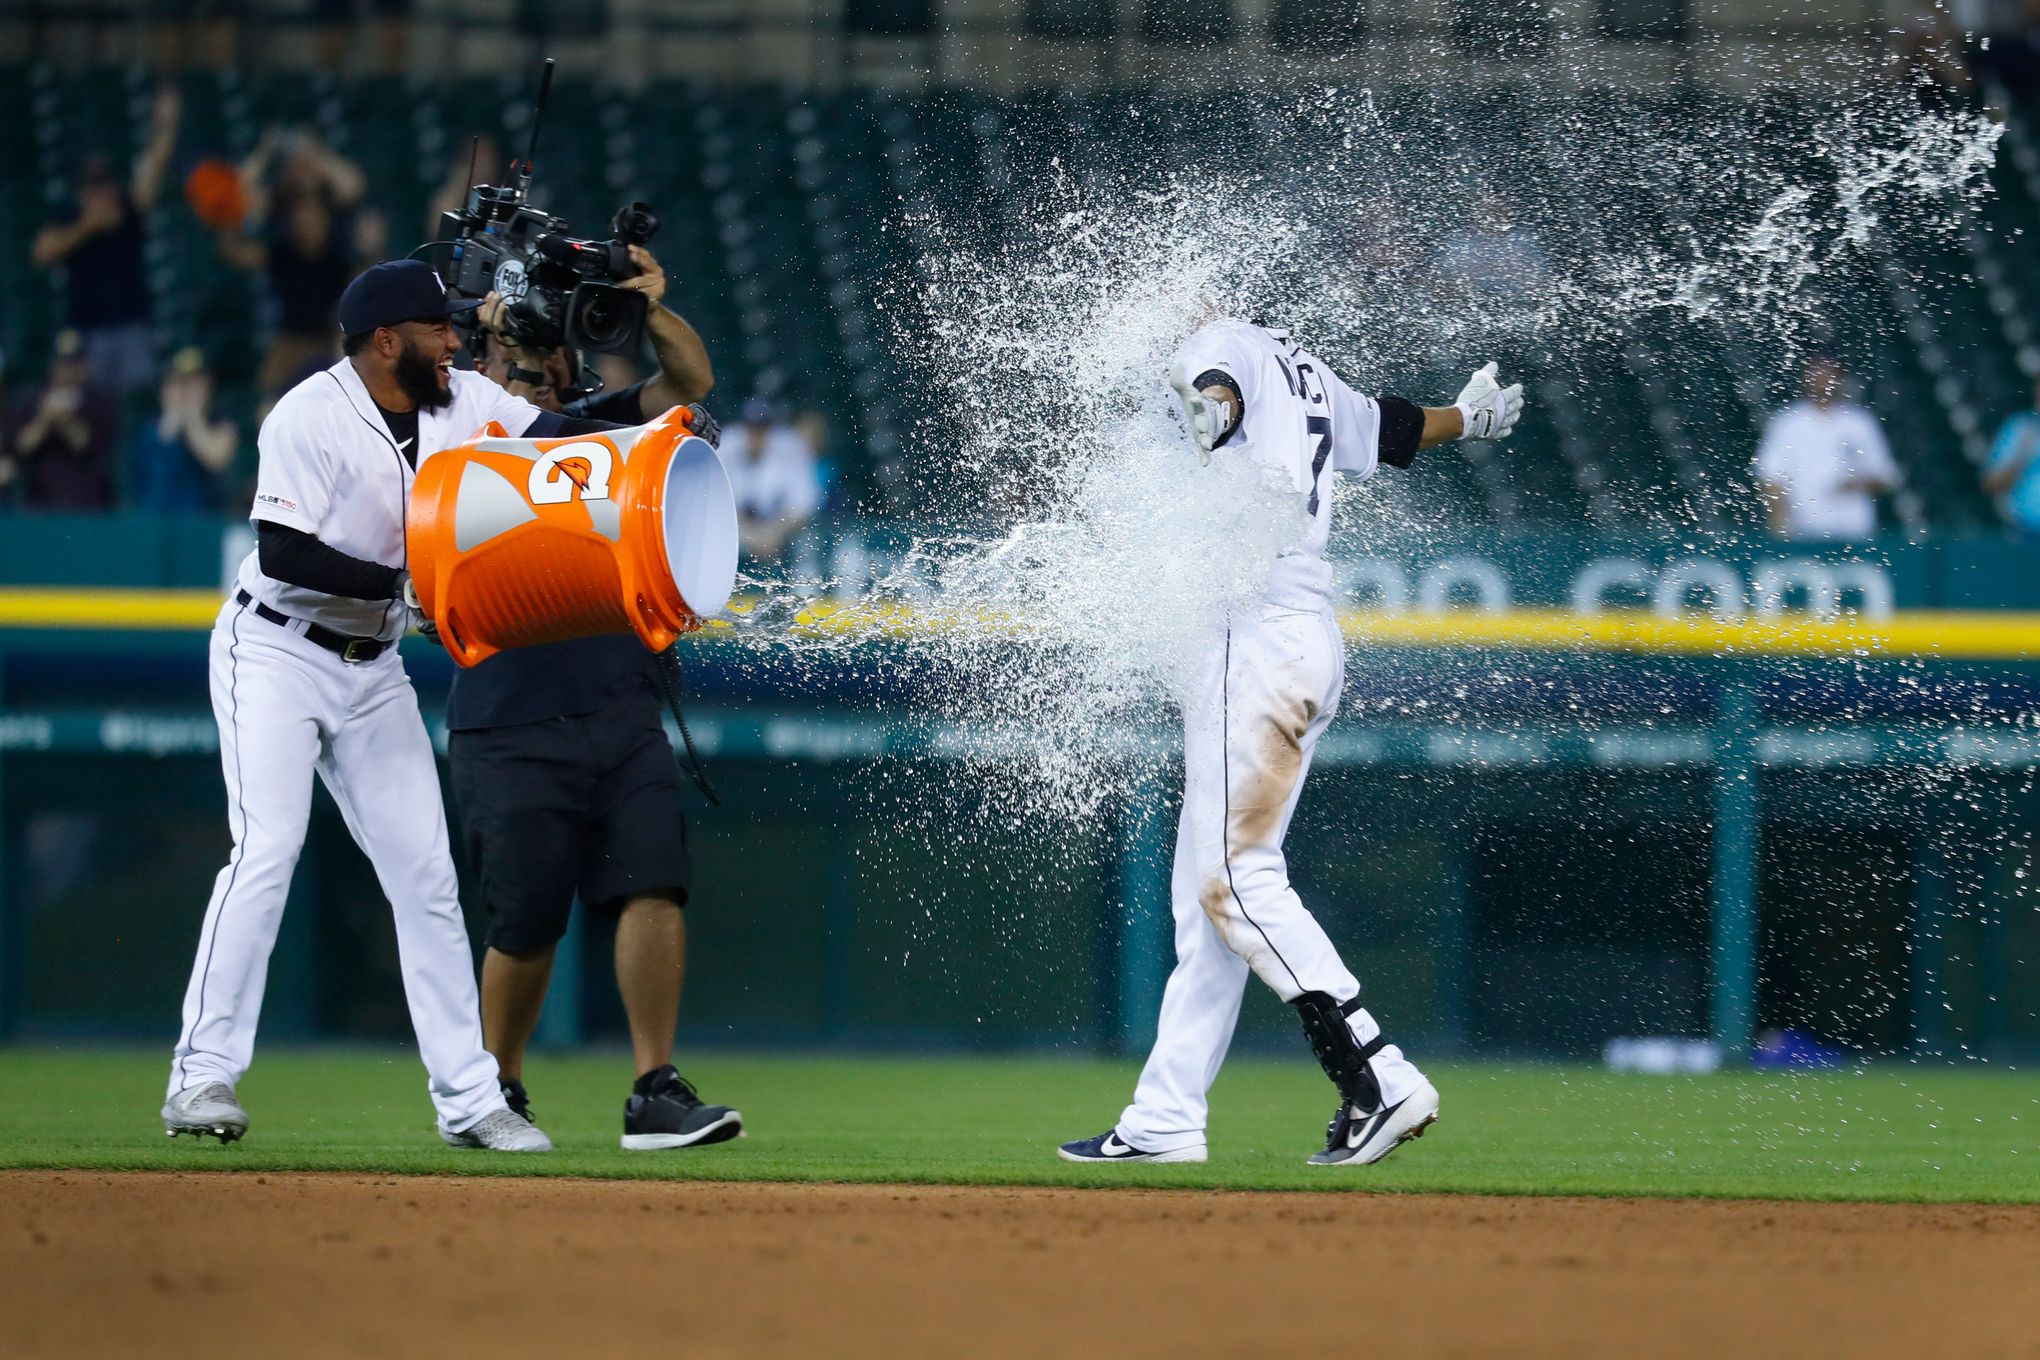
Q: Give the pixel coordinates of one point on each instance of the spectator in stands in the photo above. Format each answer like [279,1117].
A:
[813,428]
[307,234]
[2014,471]
[1823,462]
[106,288]
[61,455]
[183,455]
[778,489]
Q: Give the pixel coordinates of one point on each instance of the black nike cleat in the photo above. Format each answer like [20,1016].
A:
[1110,1147]
[664,1112]
[1357,1138]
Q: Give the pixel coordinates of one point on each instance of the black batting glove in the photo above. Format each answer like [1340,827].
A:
[703,425]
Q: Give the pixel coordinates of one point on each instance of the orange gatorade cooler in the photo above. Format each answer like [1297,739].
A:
[514,542]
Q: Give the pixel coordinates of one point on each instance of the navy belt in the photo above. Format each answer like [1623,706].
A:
[352,650]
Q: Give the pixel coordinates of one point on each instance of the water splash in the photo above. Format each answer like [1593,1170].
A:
[1081,556]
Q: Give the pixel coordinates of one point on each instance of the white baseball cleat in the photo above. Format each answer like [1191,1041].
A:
[205,1109]
[1358,1138]
[502,1131]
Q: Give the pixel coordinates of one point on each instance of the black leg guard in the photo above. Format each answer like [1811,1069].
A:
[1343,1057]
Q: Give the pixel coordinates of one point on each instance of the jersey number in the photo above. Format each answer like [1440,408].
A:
[556,474]
[1321,426]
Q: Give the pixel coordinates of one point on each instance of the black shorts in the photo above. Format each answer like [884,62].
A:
[589,804]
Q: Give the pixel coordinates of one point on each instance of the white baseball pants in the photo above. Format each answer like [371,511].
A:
[1266,692]
[286,707]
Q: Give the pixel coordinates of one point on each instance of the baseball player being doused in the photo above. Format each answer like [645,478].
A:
[1265,691]
[305,677]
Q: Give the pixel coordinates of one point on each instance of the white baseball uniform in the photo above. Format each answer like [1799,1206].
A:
[1265,692]
[287,706]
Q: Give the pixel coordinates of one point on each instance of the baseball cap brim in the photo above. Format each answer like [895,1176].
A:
[455,306]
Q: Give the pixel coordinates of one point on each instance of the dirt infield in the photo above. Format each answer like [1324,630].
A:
[209,1265]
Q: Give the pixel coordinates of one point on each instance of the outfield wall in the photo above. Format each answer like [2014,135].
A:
[1482,567]
[1537,828]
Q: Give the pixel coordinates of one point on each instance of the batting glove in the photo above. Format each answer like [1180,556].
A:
[1209,418]
[1488,410]
[701,424]
[407,590]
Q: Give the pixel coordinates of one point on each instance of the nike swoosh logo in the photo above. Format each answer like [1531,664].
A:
[1112,1147]
[404,444]
[1357,1135]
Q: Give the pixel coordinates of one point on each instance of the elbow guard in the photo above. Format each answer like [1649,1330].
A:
[1402,430]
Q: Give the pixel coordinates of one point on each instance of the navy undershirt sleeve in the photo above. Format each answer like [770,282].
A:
[298,559]
[553,425]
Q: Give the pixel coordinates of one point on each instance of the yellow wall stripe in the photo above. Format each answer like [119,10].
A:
[130,609]
[1954,634]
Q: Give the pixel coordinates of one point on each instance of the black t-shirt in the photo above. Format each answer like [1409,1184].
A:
[551,680]
[625,405]
[104,281]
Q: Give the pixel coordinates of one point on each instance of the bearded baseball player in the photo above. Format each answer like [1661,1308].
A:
[305,677]
[1265,692]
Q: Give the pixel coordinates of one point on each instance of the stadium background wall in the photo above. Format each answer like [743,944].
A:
[1531,848]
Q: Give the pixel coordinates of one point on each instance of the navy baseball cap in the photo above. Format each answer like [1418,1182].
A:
[396,291]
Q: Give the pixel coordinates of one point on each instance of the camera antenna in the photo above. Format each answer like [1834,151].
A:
[537,118]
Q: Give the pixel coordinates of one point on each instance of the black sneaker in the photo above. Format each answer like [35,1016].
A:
[514,1096]
[664,1112]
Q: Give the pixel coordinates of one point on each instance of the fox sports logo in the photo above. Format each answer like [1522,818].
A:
[511,283]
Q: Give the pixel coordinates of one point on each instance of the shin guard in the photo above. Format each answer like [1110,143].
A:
[1343,1057]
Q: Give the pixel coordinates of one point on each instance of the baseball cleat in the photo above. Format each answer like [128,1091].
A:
[208,1109]
[499,1131]
[516,1097]
[1110,1147]
[1358,1138]
[664,1112]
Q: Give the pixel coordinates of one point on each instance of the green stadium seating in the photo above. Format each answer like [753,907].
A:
[793,220]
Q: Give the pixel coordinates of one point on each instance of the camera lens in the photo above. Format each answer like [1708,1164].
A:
[599,321]
[605,319]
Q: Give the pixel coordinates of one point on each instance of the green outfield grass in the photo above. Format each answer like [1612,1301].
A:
[1891,1132]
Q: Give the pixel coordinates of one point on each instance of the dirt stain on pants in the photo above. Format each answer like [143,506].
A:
[1253,823]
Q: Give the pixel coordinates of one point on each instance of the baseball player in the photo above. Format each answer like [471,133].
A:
[1265,692]
[305,676]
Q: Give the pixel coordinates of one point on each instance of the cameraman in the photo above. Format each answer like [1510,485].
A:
[567,784]
[544,376]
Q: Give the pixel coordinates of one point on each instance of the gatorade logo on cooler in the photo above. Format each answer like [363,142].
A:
[514,542]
